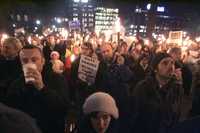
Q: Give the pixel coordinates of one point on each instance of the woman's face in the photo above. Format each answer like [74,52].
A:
[100,122]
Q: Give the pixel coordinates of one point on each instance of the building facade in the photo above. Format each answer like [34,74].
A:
[81,13]
[105,18]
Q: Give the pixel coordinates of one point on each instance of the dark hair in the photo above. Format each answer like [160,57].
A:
[89,46]
[85,125]
[30,46]
[174,50]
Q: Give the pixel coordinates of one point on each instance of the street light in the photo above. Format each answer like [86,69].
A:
[38,22]
[58,20]
[14,25]
[148,6]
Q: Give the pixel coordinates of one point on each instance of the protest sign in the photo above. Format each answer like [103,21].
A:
[175,37]
[88,68]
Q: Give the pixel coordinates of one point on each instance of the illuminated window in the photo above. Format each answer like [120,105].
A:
[75,9]
[18,17]
[76,1]
[75,14]
[25,18]
[75,19]
[84,1]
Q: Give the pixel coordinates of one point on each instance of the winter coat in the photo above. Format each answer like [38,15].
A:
[117,85]
[186,75]
[10,70]
[48,106]
[155,109]
[187,126]
[60,48]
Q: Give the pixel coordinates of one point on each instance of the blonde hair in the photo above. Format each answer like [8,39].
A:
[14,42]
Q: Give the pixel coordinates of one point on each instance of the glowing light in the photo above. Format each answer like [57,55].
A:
[154,35]
[163,37]
[53,26]
[38,22]
[168,41]
[146,41]
[4,36]
[108,33]
[148,6]
[14,25]
[87,38]
[72,58]
[161,9]
[58,20]
[198,39]
[64,33]
[131,26]
[84,1]
[76,1]
[41,37]
[29,39]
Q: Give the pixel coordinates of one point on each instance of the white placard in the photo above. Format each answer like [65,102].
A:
[176,37]
[88,68]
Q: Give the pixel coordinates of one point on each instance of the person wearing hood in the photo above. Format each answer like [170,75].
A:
[100,114]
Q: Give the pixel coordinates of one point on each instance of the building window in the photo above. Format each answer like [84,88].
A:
[75,9]
[18,17]
[75,15]
[25,18]
[75,19]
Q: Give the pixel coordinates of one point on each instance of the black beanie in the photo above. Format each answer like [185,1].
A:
[157,58]
[14,121]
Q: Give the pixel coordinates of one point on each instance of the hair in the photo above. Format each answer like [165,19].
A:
[94,115]
[109,44]
[30,46]
[174,50]
[85,125]
[14,41]
[89,45]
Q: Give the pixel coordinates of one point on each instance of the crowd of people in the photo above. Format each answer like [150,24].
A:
[138,88]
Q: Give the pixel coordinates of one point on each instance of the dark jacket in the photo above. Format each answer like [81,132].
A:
[81,90]
[187,126]
[60,48]
[48,107]
[196,95]
[155,109]
[15,121]
[186,75]
[139,74]
[10,70]
[117,85]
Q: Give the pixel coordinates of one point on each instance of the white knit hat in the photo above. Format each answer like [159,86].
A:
[54,52]
[102,102]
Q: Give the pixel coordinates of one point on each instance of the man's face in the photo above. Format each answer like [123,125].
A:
[52,40]
[101,122]
[32,56]
[177,55]
[85,50]
[165,68]
[107,52]
[9,50]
